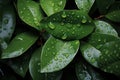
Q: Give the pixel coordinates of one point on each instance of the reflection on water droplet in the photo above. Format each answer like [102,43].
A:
[64,36]
[64,15]
[6,21]
[60,3]
[84,20]
[51,25]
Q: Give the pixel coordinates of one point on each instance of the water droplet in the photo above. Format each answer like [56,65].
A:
[53,53]
[6,21]
[23,8]
[38,64]
[53,47]
[52,4]
[84,20]
[48,49]
[64,36]
[56,9]
[60,3]
[62,23]
[73,32]
[77,42]
[20,38]
[99,39]
[106,52]
[21,12]
[78,16]
[78,25]
[56,58]
[51,25]
[64,15]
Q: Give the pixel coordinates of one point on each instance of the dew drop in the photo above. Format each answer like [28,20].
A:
[62,23]
[52,4]
[64,15]
[38,64]
[60,3]
[64,36]
[73,32]
[77,42]
[84,20]
[6,21]
[51,25]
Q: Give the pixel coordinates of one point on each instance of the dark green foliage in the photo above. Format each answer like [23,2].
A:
[59,40]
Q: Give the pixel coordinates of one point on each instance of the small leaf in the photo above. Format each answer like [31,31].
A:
[98,40]
[85,71]
[90,53]
[34,68]
[114,16]
[84,5]
[20,64]
[103,27]
[29,11]
[19,45]
[69,25]
[7,22]
[57,54]
[52,6]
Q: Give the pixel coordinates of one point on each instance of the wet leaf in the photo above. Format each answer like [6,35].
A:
[84,5]
[114,16]
[19,45]
[34,68]
[90,53]
[57,54]
[84,71]
[68,25]
[30,12]
[52,6]
[98,40]
[7,22]
[20,64]
[105,28]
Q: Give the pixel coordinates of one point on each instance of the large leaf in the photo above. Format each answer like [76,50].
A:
[19,45]
[114,16]
[97,39]
[107,58]
[68,24]
[52,6]
[34,68]
[7,22]
[85,71]
[20,64]
[105,28]
[29,11]
[103,5]
[57,54]
[84,5]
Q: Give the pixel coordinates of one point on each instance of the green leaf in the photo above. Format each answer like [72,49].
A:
[20,64]
[52,6]
[57,54]
[19,45]
[103,27]
[29,11]
[98,40]
[90,53]
[69,25]
[85,71]
[7,22]
[114,16]
[103,5]
[109,61]
[84,5]
[34,68]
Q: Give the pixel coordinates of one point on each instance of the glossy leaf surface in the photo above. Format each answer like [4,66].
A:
[105,28]
[29,11]
[52,6]
[7,22]
[57,54]
[84,5]
[34,68]
[19,45]
[68,25]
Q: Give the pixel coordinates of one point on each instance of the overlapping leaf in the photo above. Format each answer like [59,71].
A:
[84,5]
[34,68]
[30,12]
[19,45]
[52,6]
[7,21]
[57,54]
[68,25]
